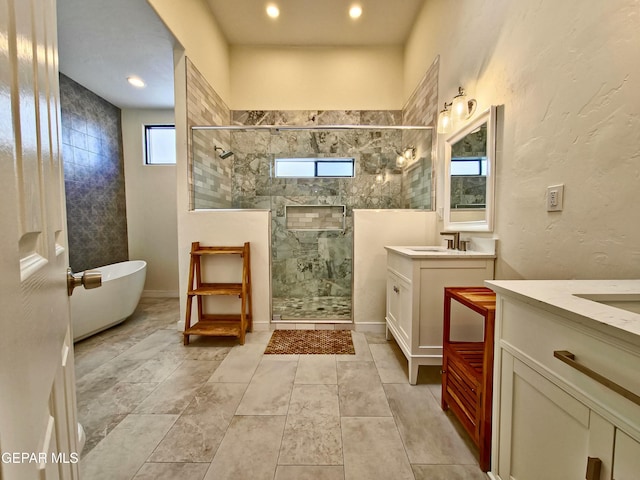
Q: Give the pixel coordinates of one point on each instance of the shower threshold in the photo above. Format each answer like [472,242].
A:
[315,309]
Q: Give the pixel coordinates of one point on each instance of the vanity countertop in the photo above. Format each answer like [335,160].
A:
[420,252]
[567,298]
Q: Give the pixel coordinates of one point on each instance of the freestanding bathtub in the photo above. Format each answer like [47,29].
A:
[98,309]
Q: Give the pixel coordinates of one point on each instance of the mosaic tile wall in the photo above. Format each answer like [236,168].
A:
[314,217]
[421,110]
[210,182]
[94,178]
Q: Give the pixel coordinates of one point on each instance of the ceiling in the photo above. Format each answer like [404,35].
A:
[316,22]
[102,42]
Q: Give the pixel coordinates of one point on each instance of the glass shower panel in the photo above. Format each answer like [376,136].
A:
[311,215]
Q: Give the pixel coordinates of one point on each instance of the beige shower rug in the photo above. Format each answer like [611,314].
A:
[310,342]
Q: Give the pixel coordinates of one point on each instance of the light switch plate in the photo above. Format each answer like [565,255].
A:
[555,197]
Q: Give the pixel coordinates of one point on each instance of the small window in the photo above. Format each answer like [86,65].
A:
[462,166]
[314,167]
[160,142]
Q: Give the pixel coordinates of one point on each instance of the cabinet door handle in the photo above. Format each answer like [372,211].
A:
[396,289]
[570,359]
[594,465]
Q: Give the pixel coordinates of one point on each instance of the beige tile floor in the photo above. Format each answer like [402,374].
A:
[154,409]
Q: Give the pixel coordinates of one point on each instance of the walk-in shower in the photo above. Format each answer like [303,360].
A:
[311,179]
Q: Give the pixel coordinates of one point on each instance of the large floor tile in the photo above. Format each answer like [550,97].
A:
[239,365]
[317,369]
[285,472]
[309,400]
[249,449]
[429,435]
[373,449]
[125,449]
[269,391]
[154,370]
[258,338]
[448,472]
[196,435]
[311,440]
[360,391]
[172,471]
[100,416]
[176,392]
[202,348]
[361,346]
[151,345]
[431,376]
[89,358]
[391,363]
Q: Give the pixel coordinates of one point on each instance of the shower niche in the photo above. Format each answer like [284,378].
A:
[311,179]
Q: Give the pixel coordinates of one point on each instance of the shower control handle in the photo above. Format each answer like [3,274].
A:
[88,279]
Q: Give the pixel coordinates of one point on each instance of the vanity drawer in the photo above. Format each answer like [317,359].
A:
[534,334]
[400,265]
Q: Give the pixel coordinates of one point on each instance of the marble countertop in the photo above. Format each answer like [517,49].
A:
[422,251]
[567,298]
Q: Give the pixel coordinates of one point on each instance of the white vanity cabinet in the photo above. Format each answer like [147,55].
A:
[415,297]
[551,415]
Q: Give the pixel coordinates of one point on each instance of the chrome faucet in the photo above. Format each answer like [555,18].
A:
[452,243]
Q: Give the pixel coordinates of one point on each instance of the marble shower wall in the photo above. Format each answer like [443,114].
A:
[93,178]
[315,263]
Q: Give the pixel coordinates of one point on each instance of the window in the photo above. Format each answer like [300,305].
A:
[314,167]
[469,166]
[160,144]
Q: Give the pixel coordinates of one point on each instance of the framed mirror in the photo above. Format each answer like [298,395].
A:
[469,175]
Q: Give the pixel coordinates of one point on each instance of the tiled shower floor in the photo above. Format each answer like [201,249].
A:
[314,308]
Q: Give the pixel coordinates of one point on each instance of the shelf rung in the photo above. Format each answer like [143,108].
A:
[218,251]
[217,289]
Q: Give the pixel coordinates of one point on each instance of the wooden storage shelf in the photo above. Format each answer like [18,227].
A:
[217,289]
[467,378]
[218,325]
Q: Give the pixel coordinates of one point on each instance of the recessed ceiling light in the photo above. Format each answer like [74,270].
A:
[136,82]
[355,11]
[273,11]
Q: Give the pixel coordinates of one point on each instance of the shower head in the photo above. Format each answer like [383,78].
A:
[223,153]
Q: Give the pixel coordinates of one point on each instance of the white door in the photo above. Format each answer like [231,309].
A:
[37,387]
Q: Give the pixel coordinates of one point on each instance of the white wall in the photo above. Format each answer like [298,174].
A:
[151,205]
[372,230]
[230,228]
[316,78]
[195,27]
[568,76]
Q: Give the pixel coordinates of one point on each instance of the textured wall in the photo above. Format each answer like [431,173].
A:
[94,178]
[569,80]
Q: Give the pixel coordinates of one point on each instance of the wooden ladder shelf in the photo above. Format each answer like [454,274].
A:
[218,325]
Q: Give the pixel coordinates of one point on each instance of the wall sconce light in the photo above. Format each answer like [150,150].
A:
[408,154]
[444,119]
[380,178]
[462,109]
